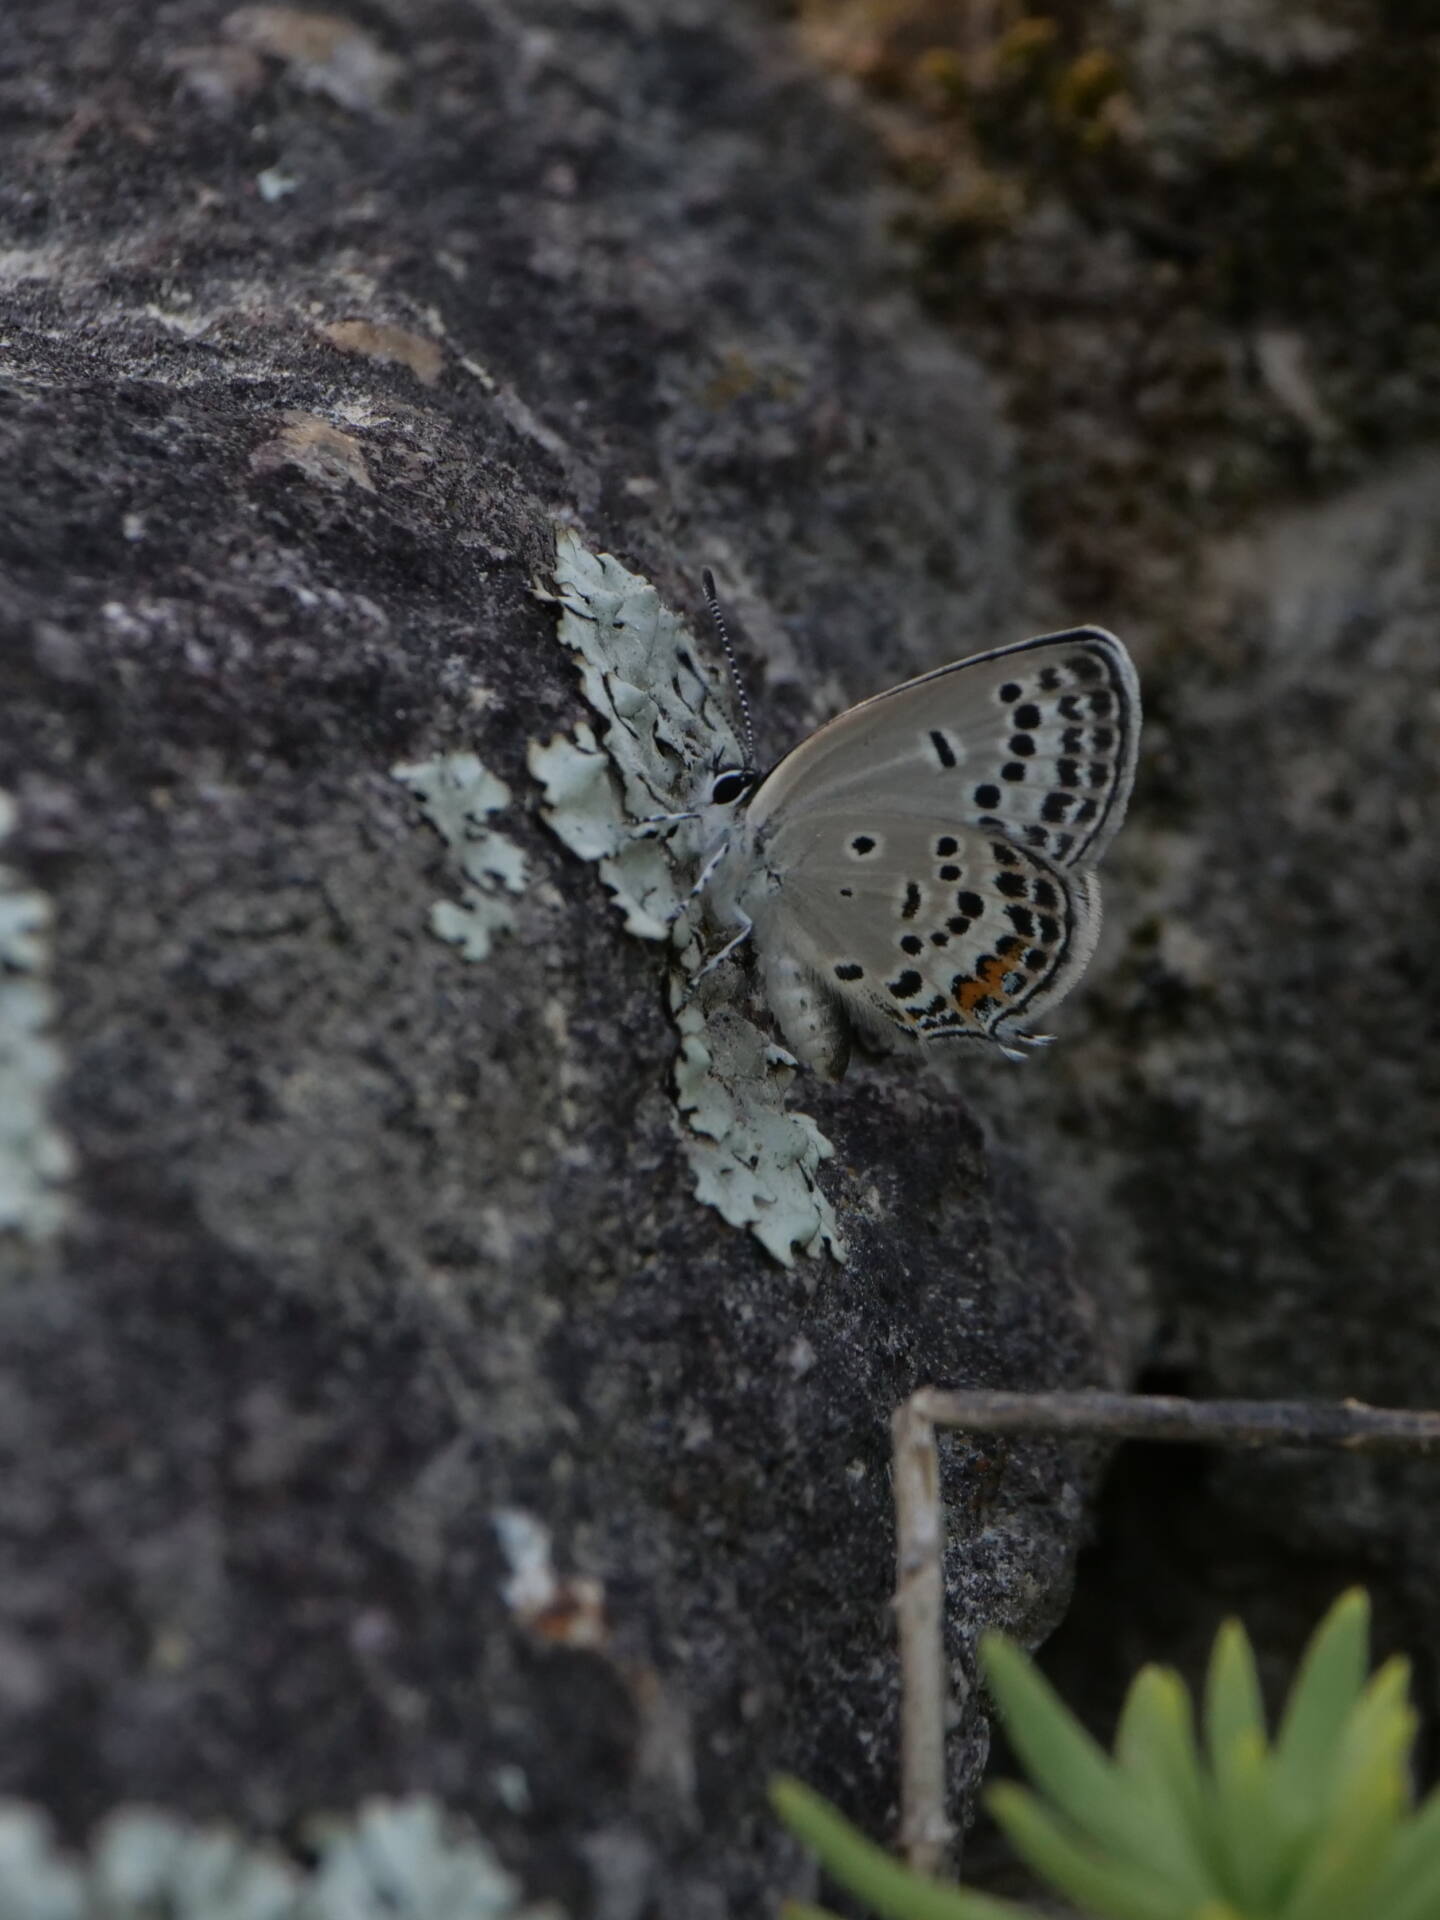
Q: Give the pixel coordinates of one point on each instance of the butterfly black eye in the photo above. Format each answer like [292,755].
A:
[730,787]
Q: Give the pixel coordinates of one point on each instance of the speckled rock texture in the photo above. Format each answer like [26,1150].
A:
[312,328]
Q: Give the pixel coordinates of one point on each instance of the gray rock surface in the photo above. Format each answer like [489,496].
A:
[310,332]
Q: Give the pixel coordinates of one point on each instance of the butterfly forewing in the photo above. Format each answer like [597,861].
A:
[1036,742]
[939,930]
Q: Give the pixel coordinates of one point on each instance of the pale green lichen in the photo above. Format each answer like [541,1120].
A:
[662,715]
[584,807]
[394,1861]
[754,1161]
[457,795]
[35,1158]
[397,1861]
[147,1862]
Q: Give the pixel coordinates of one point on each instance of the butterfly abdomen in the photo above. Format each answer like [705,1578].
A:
[813,1024]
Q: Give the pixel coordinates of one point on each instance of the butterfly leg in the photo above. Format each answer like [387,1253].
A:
[702,881]
[724,953]
[649,827]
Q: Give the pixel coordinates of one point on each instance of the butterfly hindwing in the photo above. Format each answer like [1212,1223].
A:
[1036,741]
[935,929]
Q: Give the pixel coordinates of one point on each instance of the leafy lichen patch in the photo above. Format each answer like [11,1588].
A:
[662,717]
[457,795]
[585,808]
[754,1160]
[394,1861]
[35,1158]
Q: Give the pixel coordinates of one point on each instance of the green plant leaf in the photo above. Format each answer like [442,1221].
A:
[1332,1673]
[1314,1828]
[1338,1879]
[1155,1746]
[1377,1734]
[1065,1763]
[1118,1889]
[1232,1692]
[1260,1830]
[1409,1884]
[1365,1800]
[1260,1835]
[870,1873]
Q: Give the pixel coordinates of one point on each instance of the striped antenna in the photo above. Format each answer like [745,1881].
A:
[712,600]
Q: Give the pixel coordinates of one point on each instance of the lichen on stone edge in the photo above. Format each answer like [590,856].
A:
[35,1157]
[457,794]
[661,713]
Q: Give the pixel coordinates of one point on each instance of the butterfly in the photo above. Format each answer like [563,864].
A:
[926,861]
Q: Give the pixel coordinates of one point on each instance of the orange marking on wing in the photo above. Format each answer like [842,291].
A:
[987,982]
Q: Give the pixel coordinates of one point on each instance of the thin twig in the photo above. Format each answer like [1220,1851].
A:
[1217,1423]
[919,1598]
[919,1526]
